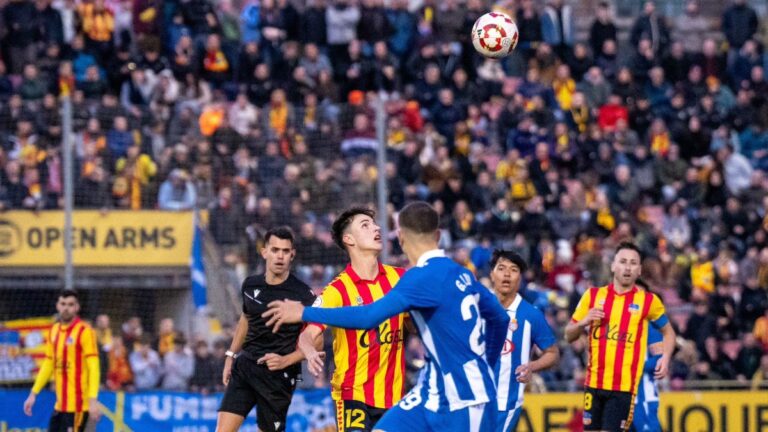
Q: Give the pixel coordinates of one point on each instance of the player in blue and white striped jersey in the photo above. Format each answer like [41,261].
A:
[461,324]
[646,418]
[527,327]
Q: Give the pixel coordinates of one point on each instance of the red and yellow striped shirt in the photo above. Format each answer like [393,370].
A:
[72,357]
[370,364]
[617,344]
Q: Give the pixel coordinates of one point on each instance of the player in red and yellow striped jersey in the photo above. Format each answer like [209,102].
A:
[73,360]
[370,365]
[616,318]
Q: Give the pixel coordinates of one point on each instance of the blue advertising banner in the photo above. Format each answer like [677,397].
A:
[311,411]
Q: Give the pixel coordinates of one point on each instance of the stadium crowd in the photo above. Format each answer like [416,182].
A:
[262,112]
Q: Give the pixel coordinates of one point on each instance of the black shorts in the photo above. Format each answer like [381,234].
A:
[68,421]
[252,385]
[606,410]
[355,416]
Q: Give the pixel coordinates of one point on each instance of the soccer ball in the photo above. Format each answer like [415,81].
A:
[494,35]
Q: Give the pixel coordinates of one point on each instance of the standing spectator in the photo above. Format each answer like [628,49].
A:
[529,27]
[650,26]
[51,27]
[603,28]
[163,343]
[178,366]
[373,25]
[21,37]
[341,19]
[119,375]
[313,27]
[691,28]
[98,24]
[739,25]
[204,377]
[558,28]
[177,193]
[146,365]
[403,24]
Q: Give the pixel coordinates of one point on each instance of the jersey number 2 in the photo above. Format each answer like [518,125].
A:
[476,340]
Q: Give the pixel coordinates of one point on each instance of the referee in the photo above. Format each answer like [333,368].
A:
[262,367]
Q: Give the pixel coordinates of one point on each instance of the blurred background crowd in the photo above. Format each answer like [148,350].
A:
[262,112]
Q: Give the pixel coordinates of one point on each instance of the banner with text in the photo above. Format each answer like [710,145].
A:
[113,238]
[311,410]
[22,348]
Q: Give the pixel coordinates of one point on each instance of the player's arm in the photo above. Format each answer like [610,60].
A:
[658,318]
[237,344]
[496,324]
[43,377]
[311,346]
[404,296]
[543,337]
[582,317]
[91,354]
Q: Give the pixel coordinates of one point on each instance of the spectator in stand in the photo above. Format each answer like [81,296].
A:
[651,26]
[739,23]
[204,378]
[146,365]
[691,28]
[119,375]
[178,366]
[177,193]
[603,28]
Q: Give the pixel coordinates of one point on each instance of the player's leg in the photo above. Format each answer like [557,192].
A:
[408,415]
[617,416]
[594,410]
[645,394]
[506,421]
[274,391]
[80,421]
[239,399]
[475,418]
[355,416]
[57,423]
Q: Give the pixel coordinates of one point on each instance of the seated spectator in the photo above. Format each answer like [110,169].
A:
[177,193]
[119,375]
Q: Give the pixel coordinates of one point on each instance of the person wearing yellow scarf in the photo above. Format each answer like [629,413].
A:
[278,112]
[564,87]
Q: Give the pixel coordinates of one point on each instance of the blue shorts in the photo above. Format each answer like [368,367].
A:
[647,406]
[414,417]
[506,421]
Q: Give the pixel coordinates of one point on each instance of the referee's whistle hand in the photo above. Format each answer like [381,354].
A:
[283,312]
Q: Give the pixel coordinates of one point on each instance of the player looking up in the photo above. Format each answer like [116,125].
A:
[461,324]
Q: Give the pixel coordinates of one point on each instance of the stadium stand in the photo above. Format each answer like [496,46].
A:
[260,112]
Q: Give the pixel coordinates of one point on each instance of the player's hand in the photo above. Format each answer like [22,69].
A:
[274,362]
[94,410]
[662,368]
[315,361]
[523,373]
[29,403]
[594,314]
[283,312]
[227,374]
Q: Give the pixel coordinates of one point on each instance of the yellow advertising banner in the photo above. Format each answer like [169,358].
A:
[114,238]
[731,411]
[22,348]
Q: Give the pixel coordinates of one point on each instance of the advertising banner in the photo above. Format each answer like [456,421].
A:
[113,238]
[313,411]
[22,348]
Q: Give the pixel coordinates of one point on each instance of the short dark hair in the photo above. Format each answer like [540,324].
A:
[282,232]
[419,217]
[511,256]
[66,293]
[345,218]
[631,246]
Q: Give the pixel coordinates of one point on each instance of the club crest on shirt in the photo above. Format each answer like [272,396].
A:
[359,301]
[601,303]
[634,308]
[256,293]
[513,324]
[70,340]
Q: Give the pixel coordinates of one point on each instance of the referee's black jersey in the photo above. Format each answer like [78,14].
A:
[257,294]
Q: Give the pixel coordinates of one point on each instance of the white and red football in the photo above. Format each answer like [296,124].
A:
[494,35]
